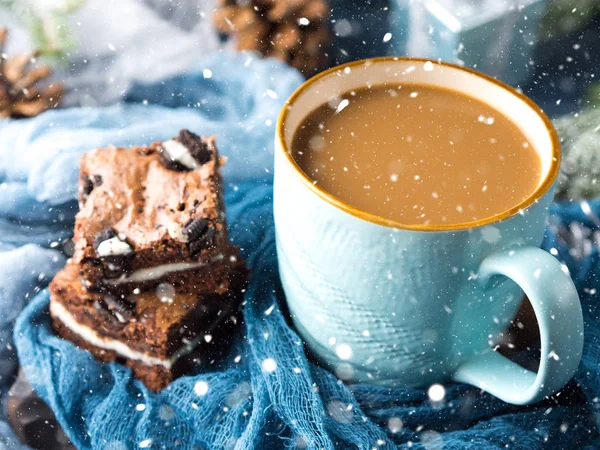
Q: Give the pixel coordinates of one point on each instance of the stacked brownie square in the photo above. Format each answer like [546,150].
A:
[153,278]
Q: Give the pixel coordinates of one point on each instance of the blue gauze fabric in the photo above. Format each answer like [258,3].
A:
[239,405]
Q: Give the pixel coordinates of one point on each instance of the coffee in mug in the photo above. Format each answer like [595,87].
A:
[417,154]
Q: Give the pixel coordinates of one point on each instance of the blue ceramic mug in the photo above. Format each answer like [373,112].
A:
[383,302]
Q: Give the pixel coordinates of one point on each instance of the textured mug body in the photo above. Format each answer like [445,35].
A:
[397,304]
[388,305]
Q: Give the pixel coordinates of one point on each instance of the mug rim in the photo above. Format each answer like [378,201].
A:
[538,193]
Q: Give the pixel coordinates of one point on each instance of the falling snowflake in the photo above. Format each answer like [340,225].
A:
[201,388]
[395,424]
[269,365]
[344,351]
[436,392]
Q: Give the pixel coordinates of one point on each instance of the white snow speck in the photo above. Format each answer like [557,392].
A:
[343,104]
[297,370]
[436,392]
[208,338]
[387,37]
[342,28]
[553,355]
[485,120]
[537,273]
[343,351]
[490,234]
[269,365]
[166,293]
[395,424]
[201,388]
[140,407]
[303,21]
[146,443]
[166,413]
[111,47]
[414,95]
[428,66]
[269,310]
[272,94]
[317,143]
[207,73]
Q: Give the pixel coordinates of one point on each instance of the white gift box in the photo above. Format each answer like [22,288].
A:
[496,37]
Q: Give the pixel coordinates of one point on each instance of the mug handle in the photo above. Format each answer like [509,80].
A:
[558,311]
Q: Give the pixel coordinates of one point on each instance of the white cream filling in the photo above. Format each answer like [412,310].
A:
[154,273]
[89,335]
[177,232]
[113,246]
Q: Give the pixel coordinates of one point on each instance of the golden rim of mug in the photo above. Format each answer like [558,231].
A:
[379,220]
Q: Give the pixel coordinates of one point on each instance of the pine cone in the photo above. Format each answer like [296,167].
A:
[294,31]
[20,96]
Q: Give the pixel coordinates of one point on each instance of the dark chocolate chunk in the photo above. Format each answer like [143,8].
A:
[203,242]
[104,235]
[89,184]
[88,187]
[195,228]
[197,147]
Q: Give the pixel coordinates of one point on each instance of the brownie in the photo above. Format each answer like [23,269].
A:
[157,322]
[158,325]
[157,377]
[153,274]
[149,207]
